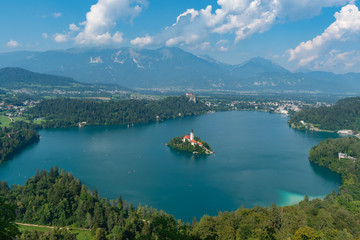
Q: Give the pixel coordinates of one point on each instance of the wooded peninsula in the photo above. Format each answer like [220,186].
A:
[344,114]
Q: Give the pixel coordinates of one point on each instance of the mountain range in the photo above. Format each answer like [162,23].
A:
[176,69]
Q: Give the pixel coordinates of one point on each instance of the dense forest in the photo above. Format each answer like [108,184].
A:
[178,144]
[58,198]
[66,112]
[344,114]
[15,139]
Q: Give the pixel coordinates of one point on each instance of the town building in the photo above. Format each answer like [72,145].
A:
[345,156]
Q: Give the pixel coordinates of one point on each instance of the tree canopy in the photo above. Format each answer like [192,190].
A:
[66,112]
[344,114]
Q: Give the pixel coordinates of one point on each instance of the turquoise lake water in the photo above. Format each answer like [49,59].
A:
[258,160]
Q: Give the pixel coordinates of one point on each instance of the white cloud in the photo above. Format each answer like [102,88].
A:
[73,27]
[344,61]
[45,36]
[12,43]
[223,49]
[319,51]
[239,17]
[102,18]
[256,17]
[202,46]
[191,12]
[60,38]
[337,61]
[191,38]
[56,14]
[223,41]
[142,41]
[118,37]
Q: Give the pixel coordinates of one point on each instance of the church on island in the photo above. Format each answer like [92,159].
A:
[190,143]
[190,138]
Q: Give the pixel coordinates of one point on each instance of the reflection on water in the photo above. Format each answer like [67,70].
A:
[325,173]
[192,158]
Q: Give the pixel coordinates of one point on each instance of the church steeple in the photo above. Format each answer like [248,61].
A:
[192,134]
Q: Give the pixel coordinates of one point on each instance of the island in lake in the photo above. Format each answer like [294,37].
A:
[190,143]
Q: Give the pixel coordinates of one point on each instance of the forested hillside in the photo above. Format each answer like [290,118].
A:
[326,154]
[344,114]
[66,112]
[18,78]
[15,139]
[57,198]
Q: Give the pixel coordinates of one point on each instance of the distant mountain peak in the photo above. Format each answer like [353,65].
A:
[267,64]
[258,60]
[207,58]
[256,66]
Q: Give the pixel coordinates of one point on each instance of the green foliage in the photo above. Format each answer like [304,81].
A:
[8,229]
[57,198]
[326,154]
[100,234]
[178,144]
[15,139]
[306,233]
[55,234]
[345,114]
[66,112]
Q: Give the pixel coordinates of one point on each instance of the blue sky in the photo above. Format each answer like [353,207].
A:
[310,34]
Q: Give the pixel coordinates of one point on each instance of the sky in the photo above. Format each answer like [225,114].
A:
[321,35]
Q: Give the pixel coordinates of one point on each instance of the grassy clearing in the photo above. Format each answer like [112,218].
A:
[4,121]
[32,228]
[81,234]
[21,119]
[38,121]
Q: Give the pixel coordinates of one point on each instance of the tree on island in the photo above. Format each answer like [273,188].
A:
[190,143]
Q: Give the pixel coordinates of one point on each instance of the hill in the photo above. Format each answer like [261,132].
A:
[67,112]
[176,69]
[344,114]
[18,78]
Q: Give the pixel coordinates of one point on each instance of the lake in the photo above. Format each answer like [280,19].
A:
[258,160]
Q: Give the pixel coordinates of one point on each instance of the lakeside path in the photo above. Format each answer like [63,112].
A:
[50,227]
